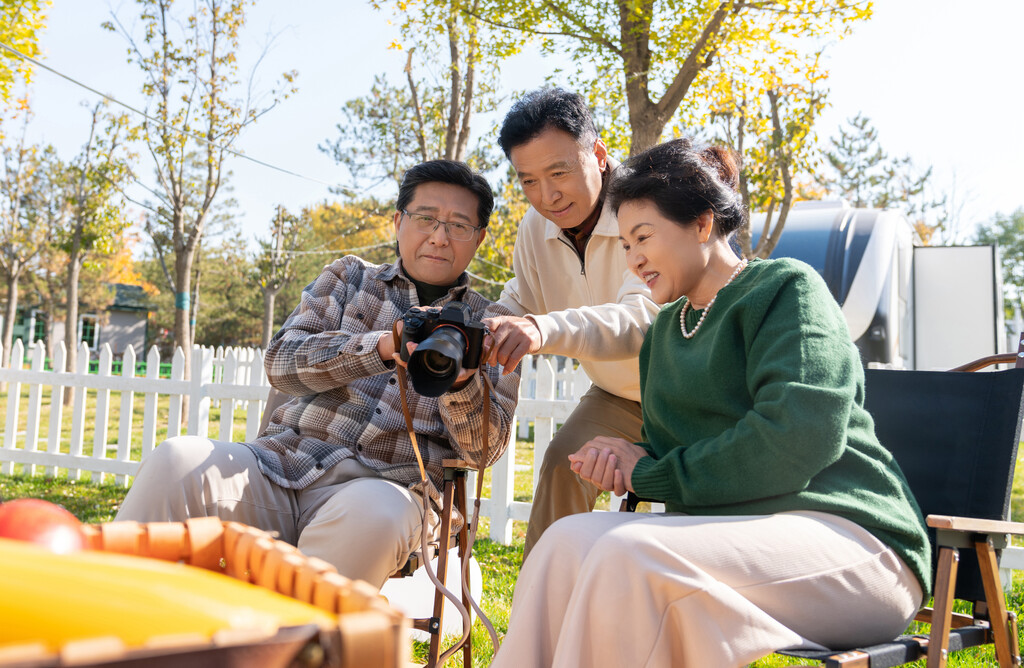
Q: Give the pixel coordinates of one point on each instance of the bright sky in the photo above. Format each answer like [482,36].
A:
[940,79]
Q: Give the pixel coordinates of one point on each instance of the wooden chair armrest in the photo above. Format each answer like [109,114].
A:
[457,464]
[977,365]
[974,525]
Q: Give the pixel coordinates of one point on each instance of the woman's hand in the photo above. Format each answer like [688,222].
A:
[608,463]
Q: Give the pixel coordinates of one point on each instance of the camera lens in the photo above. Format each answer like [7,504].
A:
[437,364]
[437,361]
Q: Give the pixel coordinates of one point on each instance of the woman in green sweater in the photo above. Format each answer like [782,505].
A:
[789,525]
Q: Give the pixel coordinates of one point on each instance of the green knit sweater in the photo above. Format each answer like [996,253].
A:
[762,411]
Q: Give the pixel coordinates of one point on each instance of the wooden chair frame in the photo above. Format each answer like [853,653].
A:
[454,497]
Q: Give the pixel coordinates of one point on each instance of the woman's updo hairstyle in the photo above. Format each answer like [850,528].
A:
[683,180]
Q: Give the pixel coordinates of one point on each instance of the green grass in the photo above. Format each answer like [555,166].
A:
[93,502]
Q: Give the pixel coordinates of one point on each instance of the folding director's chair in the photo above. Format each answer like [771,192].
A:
[955,436]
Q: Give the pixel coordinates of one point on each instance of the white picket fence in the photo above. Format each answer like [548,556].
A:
[546,397]
[231,378]
[228,377]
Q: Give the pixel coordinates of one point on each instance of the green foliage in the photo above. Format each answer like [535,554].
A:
[226,304]
[95,179]
[1007,231]
[492,264]
[21,21]
[648,65]
[451,51]
[652,61]
[21,236]
[228,310]
[772,128]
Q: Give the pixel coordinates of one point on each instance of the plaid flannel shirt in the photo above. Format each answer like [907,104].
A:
[346,399]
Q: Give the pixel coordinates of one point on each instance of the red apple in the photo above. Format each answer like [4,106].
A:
[43,523]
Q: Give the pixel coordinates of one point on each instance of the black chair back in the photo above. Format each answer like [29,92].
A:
[955,436]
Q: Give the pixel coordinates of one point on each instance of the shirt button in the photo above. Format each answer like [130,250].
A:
[359,349]
[392,381]
[359,316]
[359,448]
[377,411]
[319,466]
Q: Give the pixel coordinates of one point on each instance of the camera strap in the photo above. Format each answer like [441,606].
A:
[471,534]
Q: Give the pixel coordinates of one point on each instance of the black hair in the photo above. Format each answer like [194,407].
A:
[448,171]
[543,108]
[683,179]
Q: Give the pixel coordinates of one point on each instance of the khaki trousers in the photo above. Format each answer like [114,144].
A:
[631,589]
[364,525]
[561,492]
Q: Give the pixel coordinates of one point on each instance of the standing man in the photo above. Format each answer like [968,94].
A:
[572,293]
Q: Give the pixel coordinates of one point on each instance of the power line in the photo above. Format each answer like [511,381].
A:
[482,279]
[334,251]
[132,109]
[493,264]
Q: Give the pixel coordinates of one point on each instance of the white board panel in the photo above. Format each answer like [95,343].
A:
[957,305]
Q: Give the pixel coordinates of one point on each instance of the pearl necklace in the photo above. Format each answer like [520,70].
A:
[686,306]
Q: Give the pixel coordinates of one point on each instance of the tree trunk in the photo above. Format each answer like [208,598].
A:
[268,316]
[646,133]
[10,315]
[194,317]
[647,119]
[766,246]
[71,321]
[182,312]
[51,341]
[455,94]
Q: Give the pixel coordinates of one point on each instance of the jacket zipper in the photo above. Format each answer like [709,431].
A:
[583,269]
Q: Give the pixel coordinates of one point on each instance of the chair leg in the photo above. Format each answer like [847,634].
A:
[998,617]
[461,504]
[444,542]
[938,643]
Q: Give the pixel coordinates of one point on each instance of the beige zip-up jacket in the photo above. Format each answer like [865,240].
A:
[595,310]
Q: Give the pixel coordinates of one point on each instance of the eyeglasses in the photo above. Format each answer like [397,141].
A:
[425,224]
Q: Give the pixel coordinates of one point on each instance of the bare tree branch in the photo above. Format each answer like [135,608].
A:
[421,136]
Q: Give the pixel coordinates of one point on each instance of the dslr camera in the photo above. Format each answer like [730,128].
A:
[448,340]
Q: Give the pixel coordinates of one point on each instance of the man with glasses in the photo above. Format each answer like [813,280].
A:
[334,472]
[572,293]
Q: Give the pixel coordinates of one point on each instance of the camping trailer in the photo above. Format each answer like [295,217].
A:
[914,307]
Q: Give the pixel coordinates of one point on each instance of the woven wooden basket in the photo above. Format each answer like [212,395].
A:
[369,633]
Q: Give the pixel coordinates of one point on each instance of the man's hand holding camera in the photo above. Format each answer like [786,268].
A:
[450,344]
[463,378]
